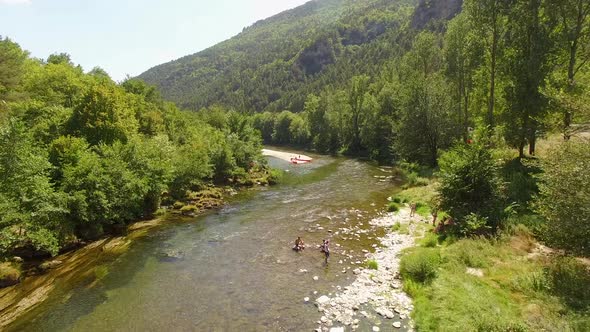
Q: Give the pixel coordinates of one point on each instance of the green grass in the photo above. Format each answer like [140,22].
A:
[514,294]
[423,196]
[430,240]
[400,228]
[372,264]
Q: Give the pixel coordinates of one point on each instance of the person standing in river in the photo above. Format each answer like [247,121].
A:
[325,248]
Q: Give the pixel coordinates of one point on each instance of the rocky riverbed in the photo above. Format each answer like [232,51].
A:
[375,293]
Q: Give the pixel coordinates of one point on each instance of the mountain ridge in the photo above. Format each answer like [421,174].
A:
[272,64]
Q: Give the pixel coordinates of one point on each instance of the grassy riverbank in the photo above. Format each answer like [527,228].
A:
[503,283]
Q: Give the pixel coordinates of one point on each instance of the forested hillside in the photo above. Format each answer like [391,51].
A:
[81,156]
[273,64]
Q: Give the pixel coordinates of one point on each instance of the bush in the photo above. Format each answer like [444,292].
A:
[372,264]
[393,207]
[430,240]
[565,197]
[276,176]
[470,185]
[570,280]
[189,209]
[420,264]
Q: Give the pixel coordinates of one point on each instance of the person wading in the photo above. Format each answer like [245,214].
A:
[325,248]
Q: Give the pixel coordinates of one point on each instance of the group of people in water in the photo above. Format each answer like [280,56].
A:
[324,247]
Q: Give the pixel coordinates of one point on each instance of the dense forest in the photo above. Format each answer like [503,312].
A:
[482,104]
[391,80]
[82,155]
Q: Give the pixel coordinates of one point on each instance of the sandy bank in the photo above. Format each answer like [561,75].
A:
[287,156]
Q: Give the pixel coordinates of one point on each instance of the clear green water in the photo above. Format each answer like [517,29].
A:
[238,271]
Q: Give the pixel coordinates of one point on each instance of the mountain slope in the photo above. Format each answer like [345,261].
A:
[273,64]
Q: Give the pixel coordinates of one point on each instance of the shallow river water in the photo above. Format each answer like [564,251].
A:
[237,271]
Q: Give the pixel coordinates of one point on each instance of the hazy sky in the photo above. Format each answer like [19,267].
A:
[128,36]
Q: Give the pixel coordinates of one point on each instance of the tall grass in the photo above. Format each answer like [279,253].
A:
[514,293]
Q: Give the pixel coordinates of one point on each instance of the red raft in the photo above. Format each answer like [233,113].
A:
[300,160]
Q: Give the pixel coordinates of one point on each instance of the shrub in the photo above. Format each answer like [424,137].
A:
[430,240]
[392,207]
[396,227]
[565,197]
[189,209]
[420,264]
[570,280]
[470,184]
[276,176]
[372,264]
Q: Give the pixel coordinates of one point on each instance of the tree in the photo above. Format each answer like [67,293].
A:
[60,58]
[489,16]
[12,60]
[103,116]
[564,199]
[31,211]
[356,99]
[470,188]
[426,123]
[463,54]
[574,33]
[530,47]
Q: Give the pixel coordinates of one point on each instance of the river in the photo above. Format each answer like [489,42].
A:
[237,271]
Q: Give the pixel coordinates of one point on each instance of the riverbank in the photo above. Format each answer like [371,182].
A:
[286,156]
[86,262]
[377,288]
[526,286]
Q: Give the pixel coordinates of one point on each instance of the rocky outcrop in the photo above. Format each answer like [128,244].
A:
[10,274]
[429,12]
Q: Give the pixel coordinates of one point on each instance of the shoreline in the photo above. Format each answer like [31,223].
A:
[286,156]
[378,289]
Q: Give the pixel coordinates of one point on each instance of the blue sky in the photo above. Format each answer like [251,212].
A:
[128,36]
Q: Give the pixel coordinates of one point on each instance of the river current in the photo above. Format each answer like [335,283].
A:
[235,269]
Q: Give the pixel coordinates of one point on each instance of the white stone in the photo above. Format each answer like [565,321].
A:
[337,329]
[397,325]
[376,329]
[322,300]
[316,278]
[306,299]
[385,312]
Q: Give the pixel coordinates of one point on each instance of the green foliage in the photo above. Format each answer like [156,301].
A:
[32,211]
[473,253]
[564,199]
[81,156]
[276,176]
[570,280]
[12,62]
[470,189]
[372,264]
[430,240]
[393,207]
[276,63]
[420,264]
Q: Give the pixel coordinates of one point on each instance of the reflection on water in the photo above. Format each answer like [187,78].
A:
[232,269]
